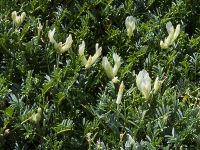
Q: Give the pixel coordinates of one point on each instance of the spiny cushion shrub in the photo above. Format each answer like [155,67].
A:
[50,100]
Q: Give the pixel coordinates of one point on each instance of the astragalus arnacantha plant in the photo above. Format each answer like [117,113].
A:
[60,92]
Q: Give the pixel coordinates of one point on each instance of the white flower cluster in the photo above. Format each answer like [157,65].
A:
[143,80]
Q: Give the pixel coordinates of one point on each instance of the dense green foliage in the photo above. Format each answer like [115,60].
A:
[79,109]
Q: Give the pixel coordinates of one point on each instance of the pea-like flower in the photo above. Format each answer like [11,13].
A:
[173,34]
[157,84]
[92,59]
[107,67]
[61,47]
[81,52]
[130,25]
[143,82]
[112,71]
[18,20]
[120,93]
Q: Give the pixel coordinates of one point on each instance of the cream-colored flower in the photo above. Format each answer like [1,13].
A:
[97,54]
[92,59]
[107,67]
[18,20]
[67,45]
[120,93]
[117,60]
[173,34]
[157,84]
[61,47]
[143,82]
[81,52]
[130,25]
[51,36]
[112,71]
[89,62]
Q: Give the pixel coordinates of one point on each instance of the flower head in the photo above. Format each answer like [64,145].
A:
[143,82]
[92,59]
[112,71]
[61,47]
[130,25]
[18,20]
[67,45]
[173,34]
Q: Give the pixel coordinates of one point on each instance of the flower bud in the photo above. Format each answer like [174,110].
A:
[120,93]
[81,52]
[117,60]
[92,59]
[157,84]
